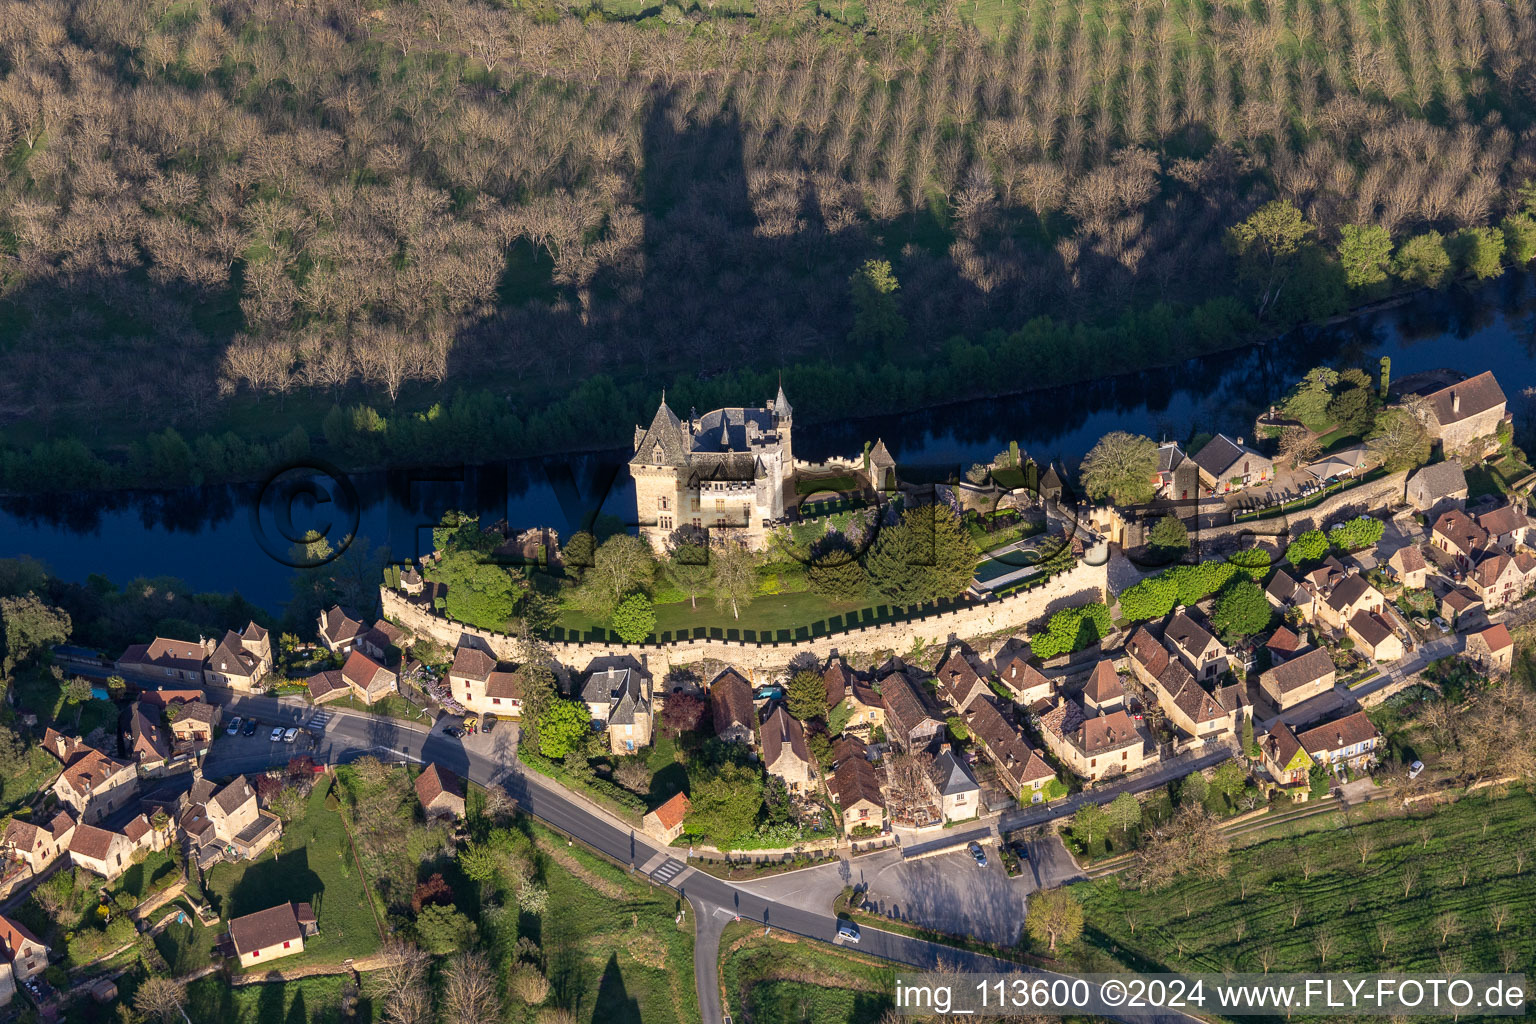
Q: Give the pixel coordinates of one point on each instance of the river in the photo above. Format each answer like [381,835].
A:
[225,538]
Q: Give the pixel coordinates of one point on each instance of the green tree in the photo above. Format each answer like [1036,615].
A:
[1267,246]
[1308,400]
[480,592]
[1365,253]
[441,929]
[807,696]
[31,626]
[1307,549]
[926,556]
[1384,377]
[957,729]
[1399,440]
[1242,610]
[1197,582]
[563,727]
[1152,598]
[1228,780]
[1169,537]
[837,718]
[877,319]
[634,619]
[1254,561]
[1122,468]
[460,531]
[733,577]
[1520,238]
[1357,534]
[687,568]
[1055,918]
[1072,629]
[1089,823]
[621,565]
[1354,409]
[724,801]
[577,554]
[1423,260]
[1193,790]
[834,571]
[1480,251]
[1124,812]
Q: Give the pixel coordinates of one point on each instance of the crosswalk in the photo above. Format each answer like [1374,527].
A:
[669,870]
[318,719]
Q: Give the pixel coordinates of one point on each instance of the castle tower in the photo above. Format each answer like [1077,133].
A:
[783,417]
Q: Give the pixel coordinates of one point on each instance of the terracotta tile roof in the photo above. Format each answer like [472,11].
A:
[1460,599]
[865,694]
[92,842]
[781,732]
[265,928]
[1104,733]
[90,770]
[1299,671]
[1408,558]
[198,711]
[846,746]
[1465,399]
[1347,731]
[1147,652]
[136,829]
[1103,683]
[1283,640]
[1487,572]
[957,678]
[472,663]
[1005,742]
[1496,637]
[340,624]
[1348,592]
[361,670]
[856,779]
[506,684]
[15,936]
[323,684]
[730,701]
[671,814]
[1460,532]
[433,782]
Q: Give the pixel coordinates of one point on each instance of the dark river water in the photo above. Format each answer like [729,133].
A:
[229,539]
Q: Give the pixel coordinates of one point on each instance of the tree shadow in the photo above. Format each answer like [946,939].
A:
[614,1005]
[266,883]
[668,781]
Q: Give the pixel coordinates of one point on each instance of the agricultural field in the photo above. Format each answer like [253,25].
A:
[1450,890]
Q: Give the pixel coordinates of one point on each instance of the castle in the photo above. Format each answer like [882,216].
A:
[725,472]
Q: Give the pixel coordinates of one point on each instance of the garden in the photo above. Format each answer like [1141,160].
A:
[782,978]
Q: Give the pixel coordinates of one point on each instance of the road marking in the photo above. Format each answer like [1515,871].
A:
[318,720]
[668,871]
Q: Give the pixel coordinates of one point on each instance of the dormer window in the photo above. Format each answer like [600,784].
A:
[656,455]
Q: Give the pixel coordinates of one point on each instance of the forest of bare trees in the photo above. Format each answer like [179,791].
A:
[210,199]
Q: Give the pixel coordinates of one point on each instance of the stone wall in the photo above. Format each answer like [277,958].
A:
[1079,585]
[1368,497]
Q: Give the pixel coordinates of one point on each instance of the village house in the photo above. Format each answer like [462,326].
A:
[1438,488]
[1351,740]
[1284,593]
[193,725]
[1103,690]
[1093,746]
[1300,678]
[785,754]
[239,661]
[1408,568]
[665,823]
[1177,477]
[909,723]
[1374,636]
[844,686]
[339,629]
[482,684]
[100,851]
[440,792]
[725,472]
[1506,526]
[1286,761]
[225,822]
[1455,534]
[94,785]
[1020,768]
[1282,644]
[1014,669]
[327,686]
[161,661]
[272,933]
[1347,598]
[24,952]
[37,845]
[369,681]
[956,788]
[855,787]
[617,692]
[1497,580]
[1204,655]
[148,744]
[377,641]
[1462,608]
[730,705]
[1194,710]
[1491,649]
[1229,465]
[1466,412]
[960,685]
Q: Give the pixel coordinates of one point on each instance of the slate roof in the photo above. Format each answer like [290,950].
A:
[181,655]
[231,657]
[1188,634]
[1281,587]
[233,794]
[1299,671]
[341,624]
[1221,453]
[665,430]
[1281,744]
[1347,592]
[322,684]
[1477,394]
[950,775]
[1439,480]
[1006,743]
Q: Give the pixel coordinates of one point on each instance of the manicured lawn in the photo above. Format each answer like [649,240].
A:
[837,482]
[784,979]
[157,871]
[1459,861]
[212,1001]
[621,960]
[315,866]
[393,706]
[186,946]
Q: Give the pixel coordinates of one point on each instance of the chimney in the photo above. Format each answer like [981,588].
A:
[1455,401]
[1239,442]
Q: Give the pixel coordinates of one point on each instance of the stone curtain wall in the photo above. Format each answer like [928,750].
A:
[1081,584]
[1374,496]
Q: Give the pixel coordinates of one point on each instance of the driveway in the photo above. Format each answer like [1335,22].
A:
[1049,864]
[951,893]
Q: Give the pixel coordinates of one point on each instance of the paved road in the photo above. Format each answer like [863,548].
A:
[350,735]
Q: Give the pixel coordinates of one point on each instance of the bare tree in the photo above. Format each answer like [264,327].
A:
[469,989]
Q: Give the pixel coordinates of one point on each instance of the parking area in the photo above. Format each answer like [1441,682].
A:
[952,893]
[255,734]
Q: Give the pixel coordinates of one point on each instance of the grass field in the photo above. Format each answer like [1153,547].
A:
[315,866]
[314,1000]
[1430,889]
[784,979]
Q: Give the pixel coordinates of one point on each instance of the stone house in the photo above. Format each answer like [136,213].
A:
[1300,678]
[665,823]
[958,793]
[94,785]
[1506,526]
[725,472]
[1227,464]
[1283,643]
[1103,691]
[1350,740]
[785,753]
[272,933]
[1491,649]
[38,845]
[1458,415]
[617,692]
[1015,671]
[161,661]
[440,792]
[225,822]
[482,684]
[909,723]
[1283,592]
[1347,598]
[1194,710]
[1178,476]
[1497,580]
[855,787]
[239,661]
[1286,761]
[194,724]
[23,951]
[960,685]
[1462,607]
[148,743]
[1455,534]
[1204,655]
[1408,568]
[1438,488]
[1093,746]
[100,851]
[730,705]
[339,629]
[1374,636]
[327,686]
[1020,768]
[369,681]
[377,641]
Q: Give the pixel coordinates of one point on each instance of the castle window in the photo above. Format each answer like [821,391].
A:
[656,454]
[719,504]
[665,522]
[663,502]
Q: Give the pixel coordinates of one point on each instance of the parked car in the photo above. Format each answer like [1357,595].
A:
[1421,623]
[288,736]
[453,733]
[251,726]
[234,726]
[848,931]
[1442,625]
[1021,848]
[1415,768]
[277,734]
[977,853]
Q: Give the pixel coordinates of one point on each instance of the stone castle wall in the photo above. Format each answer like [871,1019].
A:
[1079,585]
[1368,497]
